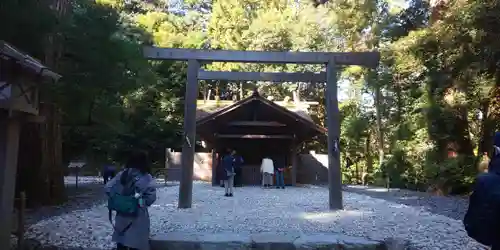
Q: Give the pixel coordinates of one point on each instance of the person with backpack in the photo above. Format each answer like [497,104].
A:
[130,193]
[482,220]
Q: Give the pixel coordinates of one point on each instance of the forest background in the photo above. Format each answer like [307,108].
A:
[424,118]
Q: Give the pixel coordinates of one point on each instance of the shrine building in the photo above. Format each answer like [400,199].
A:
[256,128]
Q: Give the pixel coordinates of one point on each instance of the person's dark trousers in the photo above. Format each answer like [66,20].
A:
[105,176]
[280,179]
[122,247]
[237,177]
[220,175]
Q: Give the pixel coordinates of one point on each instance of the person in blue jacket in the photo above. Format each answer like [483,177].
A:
[228,175]
[279,171]
[108,172]
[238,164]
[482,220]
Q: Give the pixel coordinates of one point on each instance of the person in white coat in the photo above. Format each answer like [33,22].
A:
[267,170]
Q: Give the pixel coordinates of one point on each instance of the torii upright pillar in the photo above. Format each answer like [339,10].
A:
[188,148]
[333,125]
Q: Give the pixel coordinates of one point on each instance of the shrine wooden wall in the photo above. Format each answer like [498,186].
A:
[312,169]
[202,166]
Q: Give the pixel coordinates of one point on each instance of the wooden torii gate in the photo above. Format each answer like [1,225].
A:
[330,59]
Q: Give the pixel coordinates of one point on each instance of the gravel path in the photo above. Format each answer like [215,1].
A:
[450,206]
[254,210]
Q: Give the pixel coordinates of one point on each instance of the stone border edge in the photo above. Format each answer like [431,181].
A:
[274,241]
[259,241]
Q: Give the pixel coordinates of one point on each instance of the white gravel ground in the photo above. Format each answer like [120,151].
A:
[252,210]
[71,180]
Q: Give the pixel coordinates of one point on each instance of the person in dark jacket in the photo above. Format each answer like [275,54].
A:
[482,220]
[348,163]
[279,171]
[108,172]
[221,173]
[228,166]
[238,163]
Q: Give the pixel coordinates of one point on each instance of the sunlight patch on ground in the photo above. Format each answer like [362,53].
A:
[327,217]
[372,189]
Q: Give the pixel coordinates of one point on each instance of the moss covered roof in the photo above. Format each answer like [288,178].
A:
[205,108]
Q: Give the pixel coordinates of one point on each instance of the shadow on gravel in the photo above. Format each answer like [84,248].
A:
[86,196]
[83,197]
[452,207]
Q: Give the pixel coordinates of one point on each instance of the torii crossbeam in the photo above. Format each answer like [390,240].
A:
[329,59]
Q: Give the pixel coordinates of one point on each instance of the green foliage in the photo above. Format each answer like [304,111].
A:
[435,92]
[111,98]
[430,84]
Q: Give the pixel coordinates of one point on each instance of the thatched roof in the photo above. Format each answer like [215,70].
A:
[212,116]
[206,108]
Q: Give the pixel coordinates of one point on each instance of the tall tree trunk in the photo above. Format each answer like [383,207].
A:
[491,114]
[41,174]
[241,91]
[486,133]
[357,171]
[217,93]
[29,165]
[52,158]
[461,130]
[205,92]
[296,96]
[378,113]
[368,155]
[54,42]
[209,94]
[434,115]
[399,106]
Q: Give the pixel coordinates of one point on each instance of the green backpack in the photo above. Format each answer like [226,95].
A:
[124,205]
[124,202]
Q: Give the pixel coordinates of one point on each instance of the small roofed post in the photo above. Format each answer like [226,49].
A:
[20,77]
[330,59]
[76,168]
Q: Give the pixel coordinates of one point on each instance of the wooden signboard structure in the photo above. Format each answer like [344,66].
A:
[196,57]
[20,77]
[76,167]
